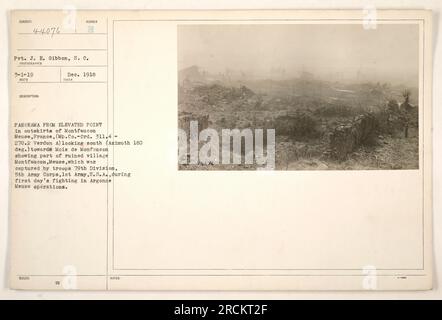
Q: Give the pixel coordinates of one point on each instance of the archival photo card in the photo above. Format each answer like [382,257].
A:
[221,150]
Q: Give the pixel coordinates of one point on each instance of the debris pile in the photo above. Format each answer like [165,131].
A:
[348,137]
[185,118]
[215,93]
[297,125]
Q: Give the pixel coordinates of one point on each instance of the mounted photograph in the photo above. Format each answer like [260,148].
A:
[298,97]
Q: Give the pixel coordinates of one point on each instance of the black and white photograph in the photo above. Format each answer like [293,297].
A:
[298,96]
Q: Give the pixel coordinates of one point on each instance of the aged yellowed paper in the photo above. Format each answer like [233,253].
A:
[221,150]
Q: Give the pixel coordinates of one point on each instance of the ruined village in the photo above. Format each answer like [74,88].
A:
[320,125]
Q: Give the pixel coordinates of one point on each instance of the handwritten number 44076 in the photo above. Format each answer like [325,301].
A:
[51,31]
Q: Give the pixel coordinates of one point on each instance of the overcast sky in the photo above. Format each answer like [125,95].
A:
[388,53]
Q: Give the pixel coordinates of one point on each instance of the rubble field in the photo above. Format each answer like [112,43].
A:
[318,127]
